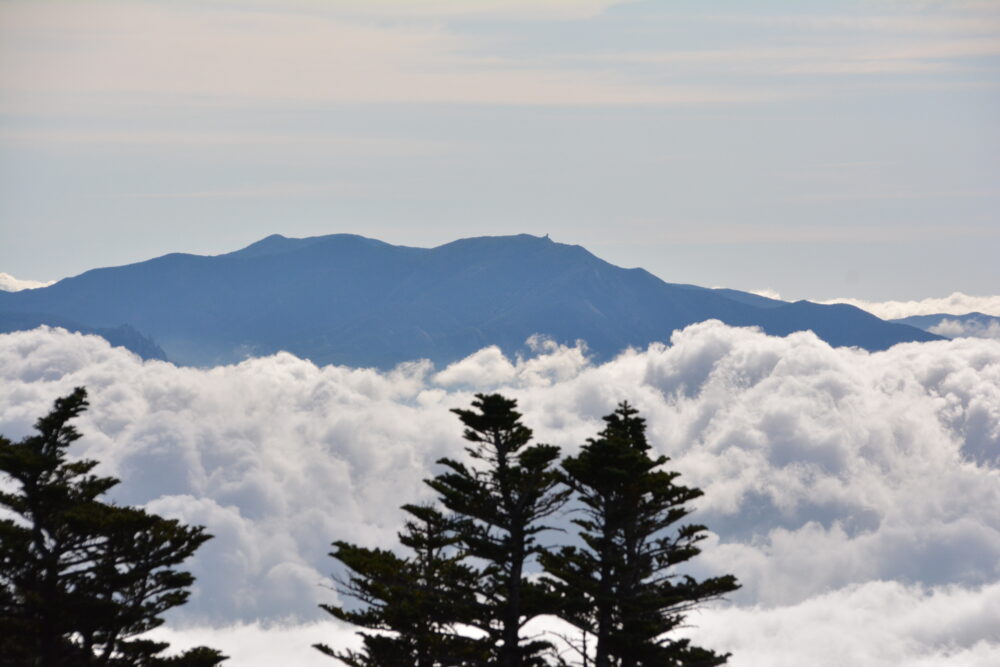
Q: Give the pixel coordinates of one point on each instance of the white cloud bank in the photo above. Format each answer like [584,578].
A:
[956,303]
[842,486]
[9,283]
[966,328]
[878,624]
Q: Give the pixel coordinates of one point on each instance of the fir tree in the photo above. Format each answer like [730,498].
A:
[500,502]
[81,580]
[622,586]
[419,600]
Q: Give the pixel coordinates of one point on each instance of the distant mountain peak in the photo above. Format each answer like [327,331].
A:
[348,299]
[505,239]
[276,244]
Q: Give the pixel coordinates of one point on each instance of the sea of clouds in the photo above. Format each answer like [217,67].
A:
[855,495]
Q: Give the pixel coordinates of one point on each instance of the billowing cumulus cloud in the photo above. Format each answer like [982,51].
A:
[835,480]
[877,624]
[9,283]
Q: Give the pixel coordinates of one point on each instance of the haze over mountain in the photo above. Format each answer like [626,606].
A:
[975,325]
[357,301]
[123,335]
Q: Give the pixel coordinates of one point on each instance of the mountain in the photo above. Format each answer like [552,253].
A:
[352,300]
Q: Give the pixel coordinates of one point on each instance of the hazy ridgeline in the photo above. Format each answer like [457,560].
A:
[350,300]
[841,486]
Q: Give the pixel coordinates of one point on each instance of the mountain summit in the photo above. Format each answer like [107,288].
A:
[352,300]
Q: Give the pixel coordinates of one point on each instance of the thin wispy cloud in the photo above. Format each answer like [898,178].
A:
[244,56]
[144,139]
[948,22]
[555,10]
[795,232]
[251,191]
[337,53]
[923,56]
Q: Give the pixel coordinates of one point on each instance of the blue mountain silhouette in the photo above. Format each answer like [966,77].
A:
[352,300]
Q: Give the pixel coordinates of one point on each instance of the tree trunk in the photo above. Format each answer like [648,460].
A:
[510,655]
[605,615]
[630,584]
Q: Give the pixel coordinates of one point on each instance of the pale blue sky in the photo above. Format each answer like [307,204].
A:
[822,149]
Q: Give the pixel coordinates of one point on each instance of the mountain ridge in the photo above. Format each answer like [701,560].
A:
[348,299]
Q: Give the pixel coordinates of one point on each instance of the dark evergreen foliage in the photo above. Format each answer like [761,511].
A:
[81,580]
[500,502]
[622,587]
[420,599]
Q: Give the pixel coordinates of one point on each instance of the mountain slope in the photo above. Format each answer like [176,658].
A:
[120,336]
[352,300]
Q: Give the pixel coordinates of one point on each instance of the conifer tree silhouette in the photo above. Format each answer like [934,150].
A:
[82,580]
[418,599]
[500,501]
[622,586]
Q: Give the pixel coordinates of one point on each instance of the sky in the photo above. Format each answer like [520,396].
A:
[855,495]
[817,148]
[822,149]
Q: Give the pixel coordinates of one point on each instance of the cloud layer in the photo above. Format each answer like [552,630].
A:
[957,303]
[966,328]
[882,623]
[312,53]
[835,480]
[9,283]
[878,624]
